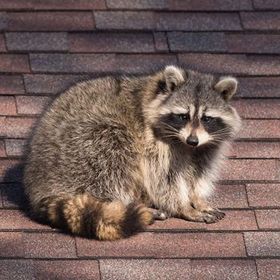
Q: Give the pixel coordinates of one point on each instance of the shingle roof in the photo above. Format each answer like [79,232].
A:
[46,46]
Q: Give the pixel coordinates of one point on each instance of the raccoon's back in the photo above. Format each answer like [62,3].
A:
[70,146]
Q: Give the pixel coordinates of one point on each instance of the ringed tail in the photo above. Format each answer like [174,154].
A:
[84,215]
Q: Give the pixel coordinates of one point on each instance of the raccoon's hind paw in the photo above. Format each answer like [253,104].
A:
[158,214]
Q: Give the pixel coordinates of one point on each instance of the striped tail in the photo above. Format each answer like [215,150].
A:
[87,216]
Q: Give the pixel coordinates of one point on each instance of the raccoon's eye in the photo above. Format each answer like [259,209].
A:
[182,117]
[206,119]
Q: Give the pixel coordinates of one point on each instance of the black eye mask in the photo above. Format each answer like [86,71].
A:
[176,120]
[212,125]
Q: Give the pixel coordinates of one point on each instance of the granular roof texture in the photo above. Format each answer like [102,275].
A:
[46,46]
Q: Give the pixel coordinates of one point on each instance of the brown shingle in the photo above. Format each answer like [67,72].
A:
[37,41]
[50,21]
[261,20]
[197,21]
[210,5]
[72,63]
[111,42]
[125,20]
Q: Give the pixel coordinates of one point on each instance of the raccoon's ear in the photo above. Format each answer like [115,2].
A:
[227,87]
[173,76]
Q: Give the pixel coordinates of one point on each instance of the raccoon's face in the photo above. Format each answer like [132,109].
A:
[193,108]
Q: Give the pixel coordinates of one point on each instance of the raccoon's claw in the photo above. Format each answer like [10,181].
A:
[219,215]
[209,218]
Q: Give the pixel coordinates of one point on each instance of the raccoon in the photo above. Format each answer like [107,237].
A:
[110,155]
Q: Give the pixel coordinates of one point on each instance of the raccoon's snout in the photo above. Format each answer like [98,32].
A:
[192,140]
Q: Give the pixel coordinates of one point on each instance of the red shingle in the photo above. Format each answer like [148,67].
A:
[31,105]
[7,106]
[268,219]
[232,64]
[267,4]
[262,243]
[16,127]
[2,149]
[175,245]
[161,43]
[49,245]
[50,84]
[67,270]
[263,195]
[37,41]
[223,269]
[2,43]
[52,5]
[15,220]
[264,87]
[257,108]
[260,20]
[111,42]
[14,63]
[253,43]
[3,21]
[125,20]
[145,269]
[247,169]
[50,21]
[197,21]
[268,269]
[140,63]
[210,5]
[15,147]
[11,244]
[263,129]
[11,84]
[255,150]
[17,269]
[229,196]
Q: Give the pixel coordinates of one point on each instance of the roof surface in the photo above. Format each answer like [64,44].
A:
[46,46]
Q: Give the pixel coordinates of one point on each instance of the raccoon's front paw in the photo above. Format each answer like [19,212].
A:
[216,215]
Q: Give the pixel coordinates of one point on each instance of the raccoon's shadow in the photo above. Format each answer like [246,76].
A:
[12,189]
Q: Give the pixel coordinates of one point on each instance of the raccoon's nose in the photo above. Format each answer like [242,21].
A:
[192,140]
